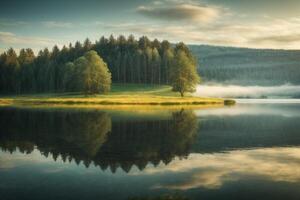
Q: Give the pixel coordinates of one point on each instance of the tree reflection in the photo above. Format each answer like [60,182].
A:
[92,136]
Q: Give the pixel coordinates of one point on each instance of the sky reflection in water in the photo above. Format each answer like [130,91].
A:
[205,154]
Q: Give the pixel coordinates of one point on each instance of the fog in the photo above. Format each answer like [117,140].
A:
[255,92]
[255,109]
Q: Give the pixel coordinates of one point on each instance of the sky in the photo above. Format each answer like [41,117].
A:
[38,24]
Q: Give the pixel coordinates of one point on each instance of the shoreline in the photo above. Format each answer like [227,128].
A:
[116,100]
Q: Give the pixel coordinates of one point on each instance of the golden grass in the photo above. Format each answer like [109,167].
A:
[116,100]
[4,102]
[142,109]
[142,103]
[119,98]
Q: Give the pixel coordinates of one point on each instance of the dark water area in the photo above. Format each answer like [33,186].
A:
[249,151]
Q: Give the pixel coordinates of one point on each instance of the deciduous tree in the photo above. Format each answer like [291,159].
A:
[184,76]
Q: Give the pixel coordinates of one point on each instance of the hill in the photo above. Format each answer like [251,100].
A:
[243,66]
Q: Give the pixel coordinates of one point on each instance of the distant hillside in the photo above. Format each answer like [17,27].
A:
[247,66]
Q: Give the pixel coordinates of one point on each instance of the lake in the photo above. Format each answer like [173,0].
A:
[248,151]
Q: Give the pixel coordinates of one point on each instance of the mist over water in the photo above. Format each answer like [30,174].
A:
[252,92]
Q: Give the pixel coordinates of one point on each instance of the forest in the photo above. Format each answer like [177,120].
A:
[129,60]
[244,66]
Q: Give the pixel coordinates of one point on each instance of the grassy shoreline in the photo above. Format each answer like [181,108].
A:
[121,95]
[115,100]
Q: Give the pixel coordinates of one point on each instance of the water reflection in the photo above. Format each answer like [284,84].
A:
[93,137]
[212,171]
[248,126]
[242,152]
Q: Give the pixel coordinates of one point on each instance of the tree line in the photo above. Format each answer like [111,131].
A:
[71,68]
[242,66]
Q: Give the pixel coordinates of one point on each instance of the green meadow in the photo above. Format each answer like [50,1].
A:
[120,95]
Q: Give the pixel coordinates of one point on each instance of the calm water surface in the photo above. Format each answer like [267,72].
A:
[249,151]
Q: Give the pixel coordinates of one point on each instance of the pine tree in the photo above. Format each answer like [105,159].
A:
[87,45]
[12,70]
[3,86]
[26,59]
[42,70]
[167,62]
[148,72]
[68,78]
[156,72]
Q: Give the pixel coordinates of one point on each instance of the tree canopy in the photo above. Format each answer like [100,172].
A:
[184,76]
[89,74]
[129,60]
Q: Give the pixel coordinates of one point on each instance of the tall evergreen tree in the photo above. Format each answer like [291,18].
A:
[149,68]
[42,70]
[87,45]
[3,86]
[156,63]
[26,60]
[69,78]
[12,72]
[166,65]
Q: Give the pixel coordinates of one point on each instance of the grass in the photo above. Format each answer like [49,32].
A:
[121,95]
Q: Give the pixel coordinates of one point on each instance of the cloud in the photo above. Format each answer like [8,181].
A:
[280,39]
[8,39]
[4,23]
[264,33]
[208,22]
[211,24]
[213,170]
[2,50]
[55,24]
[274,8]
[180,12]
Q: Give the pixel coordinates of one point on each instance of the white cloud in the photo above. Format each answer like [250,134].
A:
[13,39]
[4,23]
[56,24]
[180,12]
[2,50]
